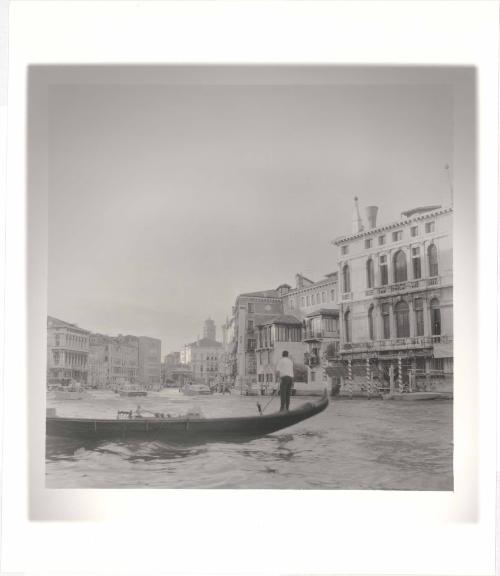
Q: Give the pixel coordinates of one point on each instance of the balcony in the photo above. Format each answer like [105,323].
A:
[264,346]
[411,343]
[313,335]
[409,285]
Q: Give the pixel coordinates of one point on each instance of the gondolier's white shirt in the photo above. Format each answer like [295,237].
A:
[285,367]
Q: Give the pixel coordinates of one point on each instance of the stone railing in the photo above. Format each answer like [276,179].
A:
[420,284]
[312,334]
[395,344]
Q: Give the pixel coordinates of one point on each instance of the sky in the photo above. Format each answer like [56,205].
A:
[168,200]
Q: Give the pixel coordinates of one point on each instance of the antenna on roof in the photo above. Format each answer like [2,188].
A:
[450,183]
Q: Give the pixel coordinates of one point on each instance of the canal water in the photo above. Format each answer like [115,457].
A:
[355,444]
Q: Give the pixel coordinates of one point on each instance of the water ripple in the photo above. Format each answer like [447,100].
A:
[354,444]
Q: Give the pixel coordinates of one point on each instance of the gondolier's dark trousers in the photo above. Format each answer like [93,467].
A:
[286,383]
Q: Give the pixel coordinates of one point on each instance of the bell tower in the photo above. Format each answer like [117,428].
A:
[209,329]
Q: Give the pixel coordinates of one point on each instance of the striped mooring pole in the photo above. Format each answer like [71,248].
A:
[368,379]
[400,375]
[349,376]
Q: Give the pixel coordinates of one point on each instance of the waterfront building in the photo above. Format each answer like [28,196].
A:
[307,301]
[205,356]
[249,311]
[67,353]
[98,361]
[228,362]
[113,361]
[175,373]
[316,304]
[149,372]
[273,335]
[308,296]
[396,293]
[321,336]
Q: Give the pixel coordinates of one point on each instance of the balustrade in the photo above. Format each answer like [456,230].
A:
[410,342]
[403,286]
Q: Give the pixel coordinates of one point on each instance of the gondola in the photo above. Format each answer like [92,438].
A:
[184,428]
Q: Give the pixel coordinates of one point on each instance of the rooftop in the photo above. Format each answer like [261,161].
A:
[284,319]
[206,343]
[324,312]
[261,294]
[416,214]
[52,321]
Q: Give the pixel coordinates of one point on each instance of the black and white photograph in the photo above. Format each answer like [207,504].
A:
[250,309]
[250,277]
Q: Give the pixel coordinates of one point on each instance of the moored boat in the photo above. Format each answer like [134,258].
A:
[131,390]
[415,396]
[68,391]
[190,427]
[195,389]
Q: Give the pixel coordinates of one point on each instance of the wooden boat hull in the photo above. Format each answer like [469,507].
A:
[63,395]
[133,393]
[182,429]
[419,396]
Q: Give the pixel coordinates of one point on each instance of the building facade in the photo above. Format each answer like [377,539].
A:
[250,310]
[149,370]
[98,361]
[228,363]
[113,361]
[321,336]
[273,336]
[316,304]
[396,293]
[251,362]
[309,296]
[67,353]
[174,372]
[204,357]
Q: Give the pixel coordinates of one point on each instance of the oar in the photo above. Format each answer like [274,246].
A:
[261,411]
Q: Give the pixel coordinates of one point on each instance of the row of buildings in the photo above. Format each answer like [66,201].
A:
[385,313]
[100,361]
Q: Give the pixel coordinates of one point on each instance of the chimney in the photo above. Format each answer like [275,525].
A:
[371,216]
[357,223]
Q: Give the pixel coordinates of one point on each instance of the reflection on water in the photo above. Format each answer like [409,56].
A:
[353,444]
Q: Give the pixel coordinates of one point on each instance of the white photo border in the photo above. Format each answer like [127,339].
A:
[258,531]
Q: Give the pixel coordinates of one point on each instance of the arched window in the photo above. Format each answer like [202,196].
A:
[371,328]
[400,273]
[435,317]
[386,321]
[415,257]
[433,260]
[384,273]
[346,277]
[369,273]
[402,313]
[418,305]
[347,326]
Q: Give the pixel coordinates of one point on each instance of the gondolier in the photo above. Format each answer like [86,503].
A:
[284,372]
